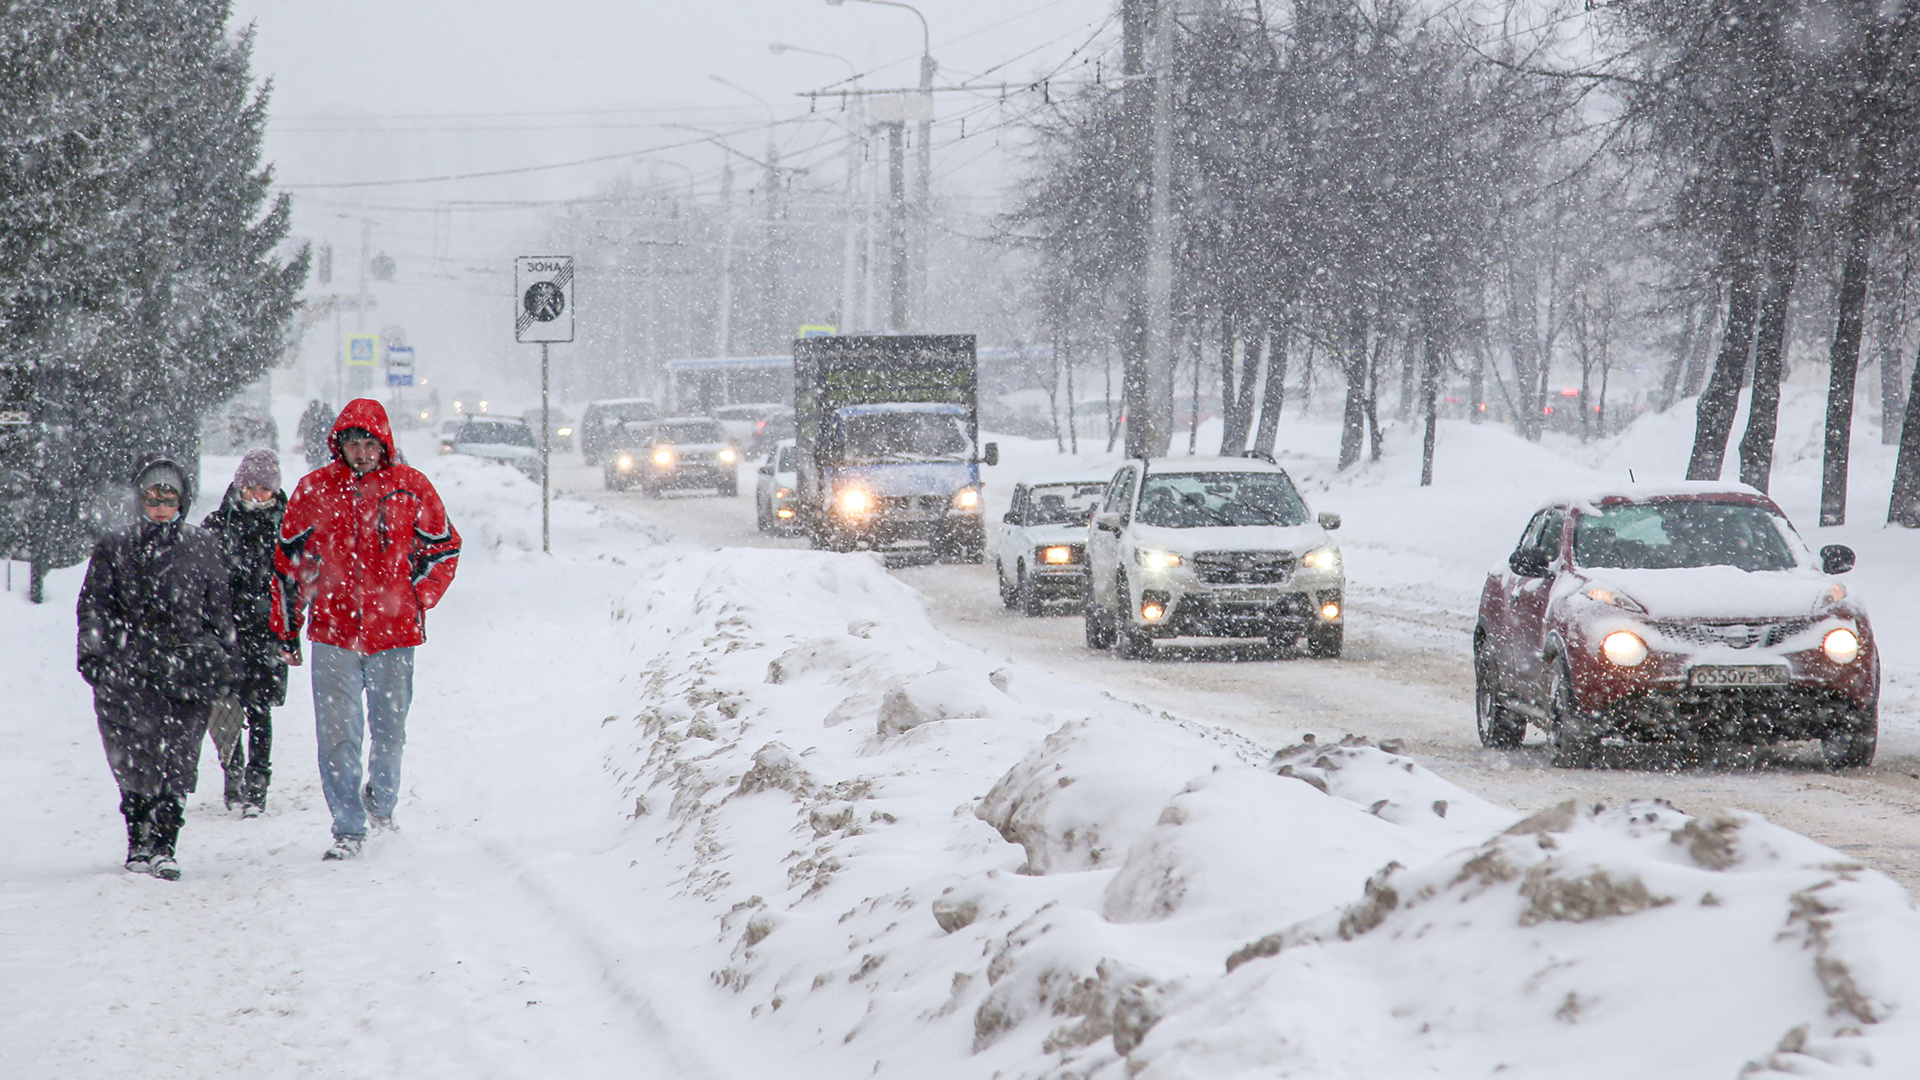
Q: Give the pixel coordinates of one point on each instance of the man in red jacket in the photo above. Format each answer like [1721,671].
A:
[366,545]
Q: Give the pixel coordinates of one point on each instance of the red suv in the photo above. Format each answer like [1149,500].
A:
[1691,616]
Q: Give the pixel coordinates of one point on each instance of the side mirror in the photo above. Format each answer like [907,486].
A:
[1329,521]
[1836,559]
[990,453]
[1107,522]
[1530,562]
[1010,518]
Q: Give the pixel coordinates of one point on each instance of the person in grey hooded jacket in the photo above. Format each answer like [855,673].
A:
[156,643]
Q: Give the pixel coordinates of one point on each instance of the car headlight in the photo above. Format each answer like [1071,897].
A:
[967,499]
[783,493]
[564,432]
[1624,648]
[1057,555]
[1619,600]
[1157,560]
[1835,593]
[1326,558]
[728,457]
[663,457]
[624,463]
[855,501]
[1841,645]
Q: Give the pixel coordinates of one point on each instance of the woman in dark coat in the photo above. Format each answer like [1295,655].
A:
[156,643]
[247,524]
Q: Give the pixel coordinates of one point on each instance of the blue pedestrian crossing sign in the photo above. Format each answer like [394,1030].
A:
[361,349]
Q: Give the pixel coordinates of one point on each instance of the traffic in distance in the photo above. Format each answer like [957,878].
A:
[1688,616]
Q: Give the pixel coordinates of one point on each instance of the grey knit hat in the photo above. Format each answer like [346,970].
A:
[161,473]
[260,468]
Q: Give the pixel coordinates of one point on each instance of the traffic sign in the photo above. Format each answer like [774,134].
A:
[361,349]
[399,365]
[817,331]
[543,291]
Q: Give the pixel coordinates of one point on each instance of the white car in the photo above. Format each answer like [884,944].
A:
[773,499]
[506,439]
[1211,547]
[742,422]
[1042,553]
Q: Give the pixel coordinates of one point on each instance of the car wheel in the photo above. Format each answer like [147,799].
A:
[1029,595]
[730,489]
[1009,596]
[1099,630]
[649,490]
[1324,642]
[1851,745]
[762,521]
[1500,727]
[1576,745]
[1130,644]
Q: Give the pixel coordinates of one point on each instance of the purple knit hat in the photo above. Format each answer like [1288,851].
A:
[260,468]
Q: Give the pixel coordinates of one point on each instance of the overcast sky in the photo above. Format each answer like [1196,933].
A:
[403,91]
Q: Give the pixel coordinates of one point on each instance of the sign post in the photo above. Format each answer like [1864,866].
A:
[543,312]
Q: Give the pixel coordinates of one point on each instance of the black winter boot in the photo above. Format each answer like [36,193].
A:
[135,809]
[169,813]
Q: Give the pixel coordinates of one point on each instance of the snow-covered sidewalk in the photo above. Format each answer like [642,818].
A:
[746,813]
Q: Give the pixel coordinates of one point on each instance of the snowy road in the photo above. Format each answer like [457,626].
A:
[1405,676]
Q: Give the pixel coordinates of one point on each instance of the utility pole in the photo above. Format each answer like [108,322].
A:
[897,225]
[723,338]
[771,315]
[923,220]
[1159,358]
[1136,116]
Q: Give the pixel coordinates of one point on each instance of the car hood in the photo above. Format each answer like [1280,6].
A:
[1715,592]
[907,477]
[677,448]
[1056,534]
[1296,538]
[496,450]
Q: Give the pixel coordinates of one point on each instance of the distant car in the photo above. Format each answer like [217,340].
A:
[769,430]
[561,423]
[448,428]
[677,452]
[469,403]
[603,418]
[774,509]
[1211,547]
[1691,615]
[506,439]
[1042,554]
[742,422]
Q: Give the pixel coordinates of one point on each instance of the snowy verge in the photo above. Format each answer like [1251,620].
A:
[888,855]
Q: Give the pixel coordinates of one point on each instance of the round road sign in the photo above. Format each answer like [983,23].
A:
[544,301]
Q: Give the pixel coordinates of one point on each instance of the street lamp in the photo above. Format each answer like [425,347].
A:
[925,162]
[856,144]
[780,48]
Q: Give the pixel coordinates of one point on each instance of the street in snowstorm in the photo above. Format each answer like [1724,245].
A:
[943,539]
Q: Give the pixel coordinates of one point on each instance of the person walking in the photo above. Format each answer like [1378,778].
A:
[247,525]
[366,545]
[315,424]
[156,643]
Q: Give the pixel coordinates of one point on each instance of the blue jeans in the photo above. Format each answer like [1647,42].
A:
[353,695]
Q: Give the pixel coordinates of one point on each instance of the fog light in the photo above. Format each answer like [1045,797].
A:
[1841,646]
[1153,611]
[663,457]
[1329,611]
[1060,555]
[1624,648]
[624,463]
[783,513]
[728,457]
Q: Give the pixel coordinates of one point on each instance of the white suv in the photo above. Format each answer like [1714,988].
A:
[1211,547]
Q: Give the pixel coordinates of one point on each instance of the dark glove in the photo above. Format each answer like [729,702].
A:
[92,668]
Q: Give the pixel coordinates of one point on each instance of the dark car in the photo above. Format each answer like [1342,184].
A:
[677,452]
[603,418]
[560,423]
[1690,616]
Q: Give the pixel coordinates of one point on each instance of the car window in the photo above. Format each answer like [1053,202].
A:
[1060,504]
[1680,534]
[1530,536]
[689,431]
[1198,500]
[789,460]
[1119,493]
[495,433]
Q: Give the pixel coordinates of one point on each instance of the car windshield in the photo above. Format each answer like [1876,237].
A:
[789,459]
[625,410]
[688,431]
[908,435]
[495,433]
[1063,504]
[1197,500]
[1682,533]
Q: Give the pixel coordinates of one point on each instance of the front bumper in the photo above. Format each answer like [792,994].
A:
[1747,715]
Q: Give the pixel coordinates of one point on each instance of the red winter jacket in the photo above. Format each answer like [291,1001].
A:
[369,553]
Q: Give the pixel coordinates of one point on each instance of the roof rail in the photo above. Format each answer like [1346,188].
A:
[1260,455]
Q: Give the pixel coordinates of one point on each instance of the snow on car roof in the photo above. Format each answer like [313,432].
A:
[1051,481]
[1661,489]
[902,407]
[1210,464]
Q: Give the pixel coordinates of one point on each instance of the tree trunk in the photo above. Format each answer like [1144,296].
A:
[1430,388]
[1888,328]
[1670,379]
[1137,116]
[1702,345]
[1273,396]
[1845,363]
[1354,362]
[1477,388]
[1520,315]
[1250,356]
[1197,347]
[1374,439]
[1904,507]
[1769,344]
[1233,426]
[1713,415]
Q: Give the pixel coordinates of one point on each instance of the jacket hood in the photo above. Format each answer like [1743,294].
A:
[363,413]
[186,475]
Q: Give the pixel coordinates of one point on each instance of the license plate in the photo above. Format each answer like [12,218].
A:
[1246,596]
[1739,675]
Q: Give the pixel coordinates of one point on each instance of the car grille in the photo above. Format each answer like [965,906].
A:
[907,504]
[1738,635]
[1244,567]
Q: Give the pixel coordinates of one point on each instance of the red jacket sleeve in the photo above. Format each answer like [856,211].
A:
[436,552]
